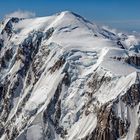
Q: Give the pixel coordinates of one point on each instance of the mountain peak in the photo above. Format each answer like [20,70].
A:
[66,12]
[63,78]
[71,14]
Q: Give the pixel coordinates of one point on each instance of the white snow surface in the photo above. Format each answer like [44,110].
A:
[86,48]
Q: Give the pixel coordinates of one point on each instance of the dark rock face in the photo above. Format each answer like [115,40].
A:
[28,54]
[132,97]
[134,60]
[120,44]
[137,134]
[9,26]
[97,81]
[36,65]
[1,43]
[57,65]
[49,33]
[10,90]
[109,126]
[6,58]
[53,113]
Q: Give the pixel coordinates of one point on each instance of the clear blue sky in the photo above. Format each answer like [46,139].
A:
[122,14]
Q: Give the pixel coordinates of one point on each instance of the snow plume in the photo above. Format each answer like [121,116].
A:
[20,14]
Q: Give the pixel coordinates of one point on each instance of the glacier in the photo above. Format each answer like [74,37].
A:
[63,77]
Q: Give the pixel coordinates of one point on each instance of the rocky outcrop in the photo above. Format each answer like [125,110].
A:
[133,60]
[8,29]
[109,125]
[4,60]
[137,134]
[1,43]
[132,97]
[57,65]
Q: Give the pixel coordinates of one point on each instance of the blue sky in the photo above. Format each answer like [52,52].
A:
[121,14]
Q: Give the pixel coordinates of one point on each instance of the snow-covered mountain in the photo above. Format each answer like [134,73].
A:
[65,78]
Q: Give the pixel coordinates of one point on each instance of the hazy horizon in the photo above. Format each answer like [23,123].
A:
[118,14]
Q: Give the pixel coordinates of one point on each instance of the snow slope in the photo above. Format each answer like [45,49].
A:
[65,78]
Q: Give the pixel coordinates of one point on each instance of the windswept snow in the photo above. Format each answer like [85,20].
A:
[62,70]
